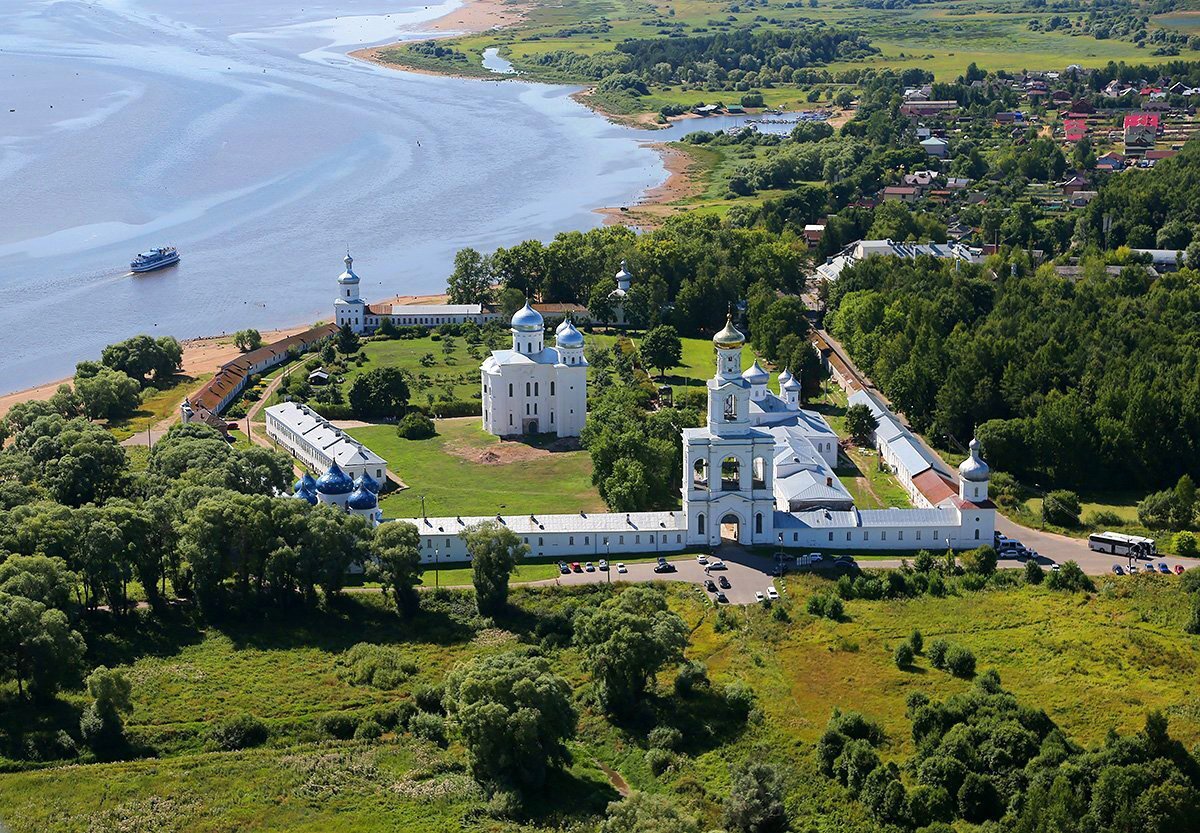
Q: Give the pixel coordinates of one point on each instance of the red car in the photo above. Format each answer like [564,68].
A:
[1178,569]
[575,568]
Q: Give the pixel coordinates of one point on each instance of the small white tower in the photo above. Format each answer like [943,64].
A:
[349,308]
[758,379]
[784,378]
[624,278]
[617,296]
[791,393]
[973,476]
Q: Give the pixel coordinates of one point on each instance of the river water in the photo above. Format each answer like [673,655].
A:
[241,133]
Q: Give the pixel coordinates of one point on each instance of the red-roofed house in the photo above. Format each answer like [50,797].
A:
[1141,130]
[1074,129]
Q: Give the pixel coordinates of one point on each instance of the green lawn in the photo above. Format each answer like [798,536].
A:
[456,371]
[459,484]
[157,405]
[1094,663]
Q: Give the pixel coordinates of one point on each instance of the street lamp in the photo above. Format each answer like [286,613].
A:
[607,557]
[436,576]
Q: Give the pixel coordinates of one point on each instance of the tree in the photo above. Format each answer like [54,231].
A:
[661,348]
[1061,507]
[641,812]
[1184,510]
[626,641]
[38,647]
[106,393]
[471,282]
[981,561]
[495,551]
[101,725]
[515,716]
[380,392]
[600,303]
[76,462]
[903,655]
[397,564]
[415,426]
[861,424]
[755,803]
[144,359]
[247,340]
[1034,574]
[347,341]
[38,578]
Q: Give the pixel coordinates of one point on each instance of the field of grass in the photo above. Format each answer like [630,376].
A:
[1094,663]
[456,371]
[157,406]
[447,471]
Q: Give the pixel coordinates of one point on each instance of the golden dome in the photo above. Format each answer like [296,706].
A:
[729,338]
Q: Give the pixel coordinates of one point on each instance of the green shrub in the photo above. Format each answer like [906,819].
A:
[916,641]
[739,697]
[368,729]
[378,666]
[659,760]
[937,653]
[826,605]
[1193,622]
[1185,543]
[1104,518]
[1070,577]
[339,725]
[429,699]
[416,426]
[241,732]
[903,655]
[665,737]
[430,727]
[960,662]
[1061,507]
[1034,574]
[692,676]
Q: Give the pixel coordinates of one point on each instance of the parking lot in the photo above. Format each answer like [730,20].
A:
[747,574]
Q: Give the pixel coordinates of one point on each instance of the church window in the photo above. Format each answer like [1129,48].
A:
[700,523]
[510,393]
[918,535]
[731,474]
[866,535]
[539,541]
[585,540]
[622,540]
[758,524]
[794,536]
[730,408]
[883,535]
[637,539]
[678,539]
[552,417]
[848,534]
[535,408]
[700,474]
[552,389]
[758,474]
[900,535]
[527,389]
[571,541]
[526,409]
[510,419]
[535,389]
[935,535]
[977,535]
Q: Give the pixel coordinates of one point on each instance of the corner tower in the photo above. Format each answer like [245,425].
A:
[349,309]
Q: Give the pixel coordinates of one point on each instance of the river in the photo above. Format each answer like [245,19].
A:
[241,133]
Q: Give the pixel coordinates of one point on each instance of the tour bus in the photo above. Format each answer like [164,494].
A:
[1116,543]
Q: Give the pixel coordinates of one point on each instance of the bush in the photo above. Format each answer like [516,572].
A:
[937,653]
[980,561]
[1034,574]
[339,725]
[1185,543]
[1070,577]
[241,732]
[659,760]
[960,662]
[430,727]
[1193,623]
[826,605]
[903,655]
[1061,507]
[740,698]
[369,729]
[1104,518]
[416,426]
[429,699]
[458,409]
[378,666]
[916,641]
[692,676]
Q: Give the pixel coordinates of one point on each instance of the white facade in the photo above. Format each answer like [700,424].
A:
[855,252]
[761,485]
[532,388]
[318,445]
[350,310]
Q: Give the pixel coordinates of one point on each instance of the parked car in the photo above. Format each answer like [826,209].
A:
[603,564]
[664,567]
[621,568]
[1055,567]
[1133,568]
[772,593]
[1178,569]
[710,586]
[814,557]
[563,568]
[590,567]
[1116,568]
[701,559]
[758,596]
[724,582]
[575,568]
[722,598]
[717,564]
[1163,568]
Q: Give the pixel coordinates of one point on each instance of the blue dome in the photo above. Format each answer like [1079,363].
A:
[569,337]
[366,481]
[335,482]
[528,320]
[305,484]
[306,494]
[362,499]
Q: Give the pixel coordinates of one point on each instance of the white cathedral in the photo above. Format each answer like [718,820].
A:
[759,472]
[532,388]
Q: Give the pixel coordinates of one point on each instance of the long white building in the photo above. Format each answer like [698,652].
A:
[318,445]
[752,477]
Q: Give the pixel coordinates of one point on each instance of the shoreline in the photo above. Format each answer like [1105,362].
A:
[657,203]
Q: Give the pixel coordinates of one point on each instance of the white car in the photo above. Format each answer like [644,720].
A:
[702,559]
[758,596]
[621,568]
[814,557]
[772,593]
[718,564]
[603,565]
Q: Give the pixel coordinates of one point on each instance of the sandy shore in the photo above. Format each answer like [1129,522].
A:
[200,355]
[655,204]
[471,17]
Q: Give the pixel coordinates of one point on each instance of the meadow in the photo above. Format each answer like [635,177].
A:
[1094,663]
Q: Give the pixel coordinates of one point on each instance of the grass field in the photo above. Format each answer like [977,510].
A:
[447,470]
[157,406]
[455,371]
[1094,663]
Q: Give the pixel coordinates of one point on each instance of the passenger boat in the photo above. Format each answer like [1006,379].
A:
[154,259]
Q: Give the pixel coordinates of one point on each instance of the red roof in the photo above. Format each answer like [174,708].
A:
[1142,120]
[1160,154]
[1075,129]
[934,487]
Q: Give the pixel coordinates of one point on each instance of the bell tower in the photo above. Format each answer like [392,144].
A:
[728,392]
